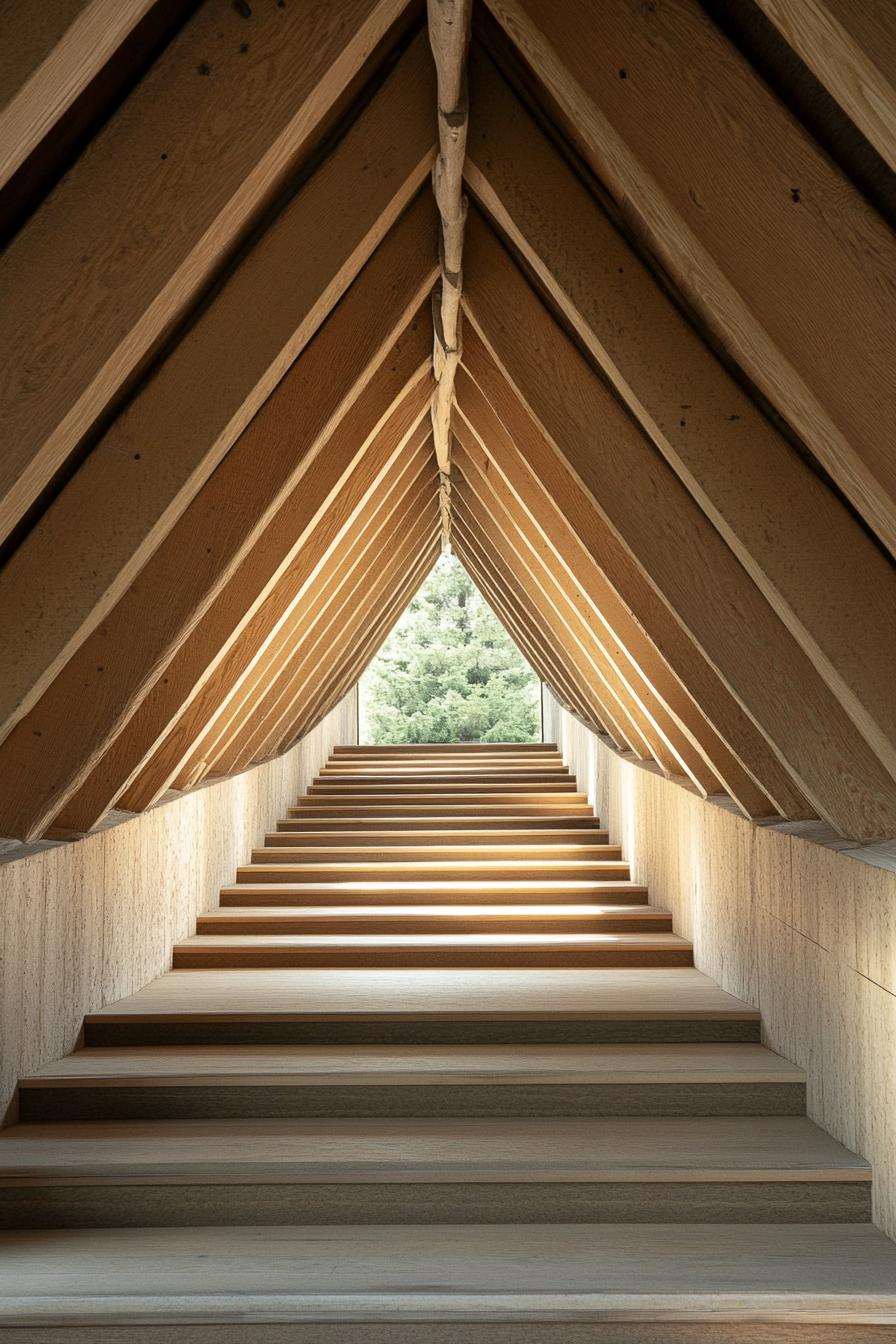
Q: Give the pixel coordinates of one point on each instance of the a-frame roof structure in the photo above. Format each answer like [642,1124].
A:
[657,427]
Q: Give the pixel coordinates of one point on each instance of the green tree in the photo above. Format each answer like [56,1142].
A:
[449,672]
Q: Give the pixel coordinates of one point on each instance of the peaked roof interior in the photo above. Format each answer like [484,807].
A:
[655,422]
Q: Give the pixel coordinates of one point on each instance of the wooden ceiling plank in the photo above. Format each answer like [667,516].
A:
[775,249]
[625,639]
[601,560]
[50,55]
[170,758]
[339,686]
[851,49]
[804,550]
[670,749]
[133,486]
[543,629]
[364,636]
[117,253]
[249,610]
[671,539]
[275,678]
[380,328]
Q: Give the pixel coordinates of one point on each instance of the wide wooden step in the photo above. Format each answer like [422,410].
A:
[457,893]
[295,870]
[407,1170]
[432,1006]
[567,826]
[275,851]
[315,807]
[299,833]
[717,1284]
[408,749]
[475,790]
[449,949]
[380,778]
[428,918]
[184,1082]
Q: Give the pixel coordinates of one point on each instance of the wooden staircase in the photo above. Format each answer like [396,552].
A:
[435,1070]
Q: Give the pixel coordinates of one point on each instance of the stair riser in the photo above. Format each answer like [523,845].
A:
[303,839]
[186,958]
[216,924]
[611,871]
[275,1101]
[421,1031]
[323,1203]
[468,813]
[278,853]
[280,894]
[300,825]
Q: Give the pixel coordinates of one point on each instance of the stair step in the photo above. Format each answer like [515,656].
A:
[468,811]
[425,1006]
[451,919]
[298,833]
[498,1170]
[504,1285]
[362,1081]
[294,870]
[491,825]
[450,949]
[458,893]
[381,778]
[275,851]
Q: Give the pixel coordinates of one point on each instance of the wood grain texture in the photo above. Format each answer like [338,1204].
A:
[748,260]
[675,545]
[138,480]
[180,171]
[804,550]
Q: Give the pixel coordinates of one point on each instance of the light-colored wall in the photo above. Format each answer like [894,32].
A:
[803,933]
[85,923]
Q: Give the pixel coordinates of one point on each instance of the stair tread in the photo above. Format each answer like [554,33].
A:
[421,911]
[547,941]
[362,1065]
[756,1148]
[496,866]
[421,993]
[555,1272]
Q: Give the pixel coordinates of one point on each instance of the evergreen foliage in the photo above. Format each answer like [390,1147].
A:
[449,672]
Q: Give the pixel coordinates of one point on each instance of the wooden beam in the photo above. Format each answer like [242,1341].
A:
[51,53]
[372,332]
[575,670]
[624,640]
[449,34]
[778,253]
[851,48]
[671,539]
[379,610]
[278,678]
[250,610]
[379,633]
[623,683]
[619,590]
[806,553]
[119,251]
[140,477]
[505,600]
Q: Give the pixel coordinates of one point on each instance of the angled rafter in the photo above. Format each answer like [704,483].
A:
[235,631]
[278,679]
[50,62]
[669,747]
[121,248]
[675,544]
[806,553]
[117,666]
[851,48]
[618,587]
[625,640]
[156,455]
[775,249]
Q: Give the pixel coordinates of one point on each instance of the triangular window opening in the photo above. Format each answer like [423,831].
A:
[449,671]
